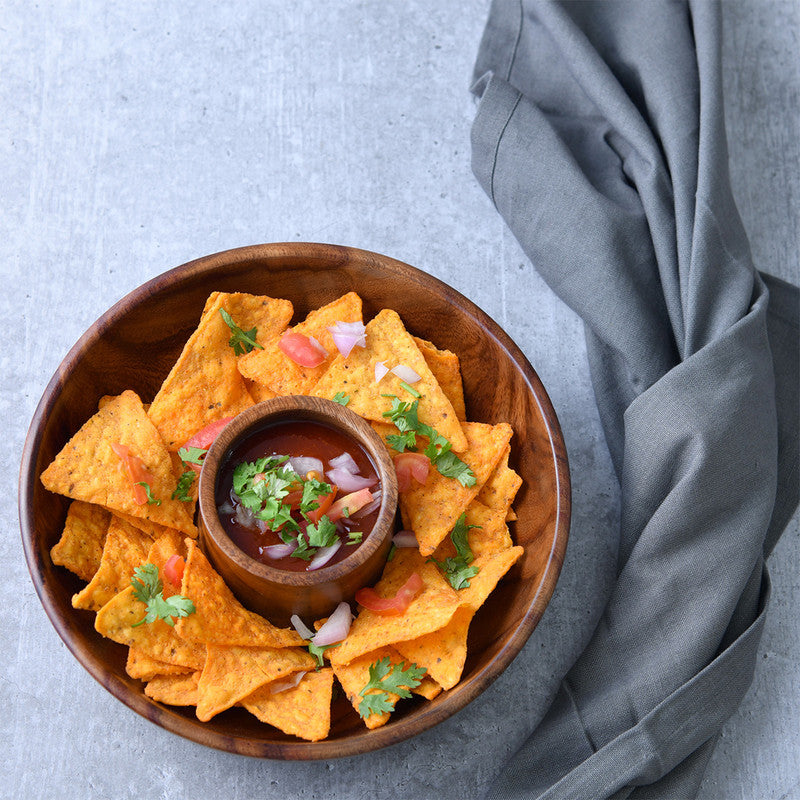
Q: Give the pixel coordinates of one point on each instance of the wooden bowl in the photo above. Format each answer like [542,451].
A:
[277,593]
[133,346]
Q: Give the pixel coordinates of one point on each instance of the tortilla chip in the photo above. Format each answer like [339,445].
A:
[389,342]
[88,469]
[232,673]
[219,618]
[144,668]
[116,619]
[275,370]
[433,508]
[174,690]
[125,549]
[488,536]
[501,486]
[152,529]
[259,392]
[429,611]
[444,652]
[80,547]
[303,711]
[446,369]
[204,385]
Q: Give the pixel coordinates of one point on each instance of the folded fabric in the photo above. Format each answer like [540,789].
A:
[600,139]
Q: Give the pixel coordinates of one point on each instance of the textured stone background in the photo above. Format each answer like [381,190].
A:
[135,137]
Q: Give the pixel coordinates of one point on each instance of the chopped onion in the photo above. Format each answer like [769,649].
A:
[276,687]
[245,517]
[277,550]
[405,539]
[347,482]
[369,508]
[336,627]
[406,374]
[380,370]
[300,626]
[317,346]
[347,335]
[226,508]
[345,461]
[302,465]
[324,555]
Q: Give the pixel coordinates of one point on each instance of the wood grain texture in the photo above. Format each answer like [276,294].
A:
[129,347]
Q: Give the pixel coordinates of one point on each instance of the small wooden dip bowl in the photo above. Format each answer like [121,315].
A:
[276,593]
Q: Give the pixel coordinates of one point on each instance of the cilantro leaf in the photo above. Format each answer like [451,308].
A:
[192,455]
[313,489]
[410,389]
[148,588]
[402,441]
[184,484]
[317,650]
[386,678]
[241,341]
[302,550]
[355,537]
[457,568]
[261,485]
[323,534]
[151,501]
[341,398]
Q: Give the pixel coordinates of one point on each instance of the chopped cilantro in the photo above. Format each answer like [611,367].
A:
[323,534]
[410,389]
[355,537]
[151,501]
[313,489]
[457,569]
[405,419]
[317,650]
[192,455]
[261,485]
[303,550]
[148,588]
[386,678]
[341,398]
[241,341]
[184,484]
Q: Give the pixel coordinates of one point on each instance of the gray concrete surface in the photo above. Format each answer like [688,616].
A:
[135,137]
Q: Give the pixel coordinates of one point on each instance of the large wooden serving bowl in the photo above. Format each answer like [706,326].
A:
[134,345]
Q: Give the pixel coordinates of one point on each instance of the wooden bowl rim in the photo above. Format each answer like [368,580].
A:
[430,713]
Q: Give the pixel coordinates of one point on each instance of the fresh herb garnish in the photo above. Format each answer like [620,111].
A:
[313,489]
[387,677]
[192,455]
[341,398]
[355,537]
[184,484]
[261,486]
[302,550]
[410,389]
[151,501]
[241,341]
[405,419]
[323,534]
[317,650]
[148,588]
[457,568]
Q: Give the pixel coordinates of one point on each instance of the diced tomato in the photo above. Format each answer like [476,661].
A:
[136,471]
[204,438]
[391,606]
[293,498]
[301,349]
[173,569]
[324,501]
[411,465]
[352,502]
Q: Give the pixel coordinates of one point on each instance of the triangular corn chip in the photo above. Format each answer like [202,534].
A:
[88,469]
[390,343]
[174,690]
[282,376]
[204,385]
[501,486]
[303,711]
[219,618]
[80,547]
[144,668]
[446,369]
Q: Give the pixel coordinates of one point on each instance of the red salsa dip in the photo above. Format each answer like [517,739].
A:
[298,495]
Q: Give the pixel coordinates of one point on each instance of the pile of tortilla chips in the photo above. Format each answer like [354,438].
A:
[223,655]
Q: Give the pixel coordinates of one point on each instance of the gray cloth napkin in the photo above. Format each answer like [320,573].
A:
[600,139]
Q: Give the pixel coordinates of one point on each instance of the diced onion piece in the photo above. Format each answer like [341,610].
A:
[405,539]
[380,371]
[302,465]
[226,508]
[278,550]
[324,555]
[347,335]
[406,374]
[245,517]
[347,482]
[345,461]
[336,627]
[300,626]
[276,687]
